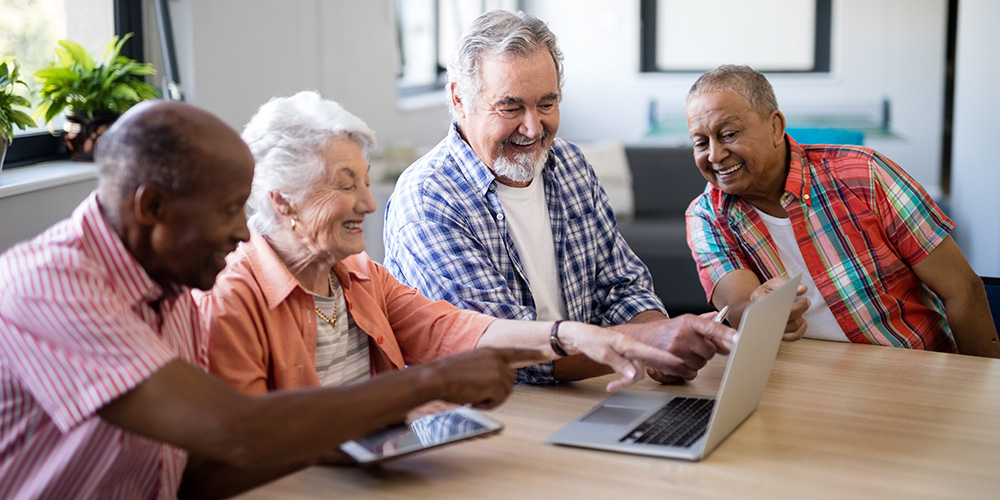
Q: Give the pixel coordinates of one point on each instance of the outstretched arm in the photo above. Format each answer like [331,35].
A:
[281,431]
[609,349]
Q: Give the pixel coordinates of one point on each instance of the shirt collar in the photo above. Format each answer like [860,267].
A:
[468,162]
[127,273]
[798,183]
[275,280]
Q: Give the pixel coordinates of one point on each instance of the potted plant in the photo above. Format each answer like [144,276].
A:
[93,95]
[10,100]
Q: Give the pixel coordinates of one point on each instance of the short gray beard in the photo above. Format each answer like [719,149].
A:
[523,169]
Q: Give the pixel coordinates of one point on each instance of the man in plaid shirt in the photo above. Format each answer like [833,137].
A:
[878,265]
[504,218]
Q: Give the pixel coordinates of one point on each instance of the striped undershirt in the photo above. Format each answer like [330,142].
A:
[342,356]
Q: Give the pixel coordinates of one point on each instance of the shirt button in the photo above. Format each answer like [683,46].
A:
[806,197]
[499,216]
[380,340]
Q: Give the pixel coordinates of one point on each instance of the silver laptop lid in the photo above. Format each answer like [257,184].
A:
[738,397]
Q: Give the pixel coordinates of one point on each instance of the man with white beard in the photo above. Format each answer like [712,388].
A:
[504,218]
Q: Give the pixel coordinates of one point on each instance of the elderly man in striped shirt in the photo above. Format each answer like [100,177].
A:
[875,254]
[103,390]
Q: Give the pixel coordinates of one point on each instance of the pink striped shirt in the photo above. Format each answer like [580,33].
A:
[81,323]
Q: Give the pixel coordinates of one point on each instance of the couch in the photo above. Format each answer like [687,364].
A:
[664,181]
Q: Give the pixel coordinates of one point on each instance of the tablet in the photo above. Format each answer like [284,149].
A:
[423,433]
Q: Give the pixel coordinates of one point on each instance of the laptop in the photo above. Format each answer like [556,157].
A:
[686,426]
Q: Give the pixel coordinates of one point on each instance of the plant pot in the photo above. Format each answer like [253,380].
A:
[82,132]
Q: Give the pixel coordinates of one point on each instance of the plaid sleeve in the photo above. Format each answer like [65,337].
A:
[604,281]
[445,262]
[624,285]
[913,222]
[714,254]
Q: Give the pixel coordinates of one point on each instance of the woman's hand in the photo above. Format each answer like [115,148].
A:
[626,356]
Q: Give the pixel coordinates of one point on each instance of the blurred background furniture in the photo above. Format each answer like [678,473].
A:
[993,297]
[649,188]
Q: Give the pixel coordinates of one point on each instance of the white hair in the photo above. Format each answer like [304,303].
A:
[287,136]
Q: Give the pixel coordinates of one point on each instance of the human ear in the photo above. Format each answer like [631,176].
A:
[777,128]
[456,100]
[149,204]
[280,204]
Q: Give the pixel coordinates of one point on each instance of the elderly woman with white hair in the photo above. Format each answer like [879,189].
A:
[300,304]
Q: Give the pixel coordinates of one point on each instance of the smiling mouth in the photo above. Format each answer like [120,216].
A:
[353,225]
[730,169]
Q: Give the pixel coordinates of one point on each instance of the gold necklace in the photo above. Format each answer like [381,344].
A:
[333,293]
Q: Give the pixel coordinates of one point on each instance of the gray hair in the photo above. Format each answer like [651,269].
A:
[287,136]
[744,80]
[498,33]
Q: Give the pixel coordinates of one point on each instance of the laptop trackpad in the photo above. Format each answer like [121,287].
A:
[608,414]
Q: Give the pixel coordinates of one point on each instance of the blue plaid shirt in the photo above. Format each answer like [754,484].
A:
[446,234]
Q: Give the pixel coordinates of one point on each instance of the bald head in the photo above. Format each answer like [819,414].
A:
[163,143]
[173,181]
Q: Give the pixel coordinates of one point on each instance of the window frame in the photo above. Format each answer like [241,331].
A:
[37,147]
[441,69]
[648,30]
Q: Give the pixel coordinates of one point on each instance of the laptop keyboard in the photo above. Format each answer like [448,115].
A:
[679,423]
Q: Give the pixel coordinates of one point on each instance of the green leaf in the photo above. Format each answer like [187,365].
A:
[21,119]
[77,54]
[16,100]
[76,83]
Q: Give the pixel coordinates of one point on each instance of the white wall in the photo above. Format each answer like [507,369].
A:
[975,174]
[235,54]
[881,48]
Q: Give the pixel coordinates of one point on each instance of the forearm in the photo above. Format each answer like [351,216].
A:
[183,406]
[535,335]
[515,333]
[208,479]
[973,328]
[647,317]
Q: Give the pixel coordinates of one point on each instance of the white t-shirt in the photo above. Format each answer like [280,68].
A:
[529,227]
[820,321]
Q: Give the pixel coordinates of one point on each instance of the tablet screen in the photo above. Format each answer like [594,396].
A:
[425,432]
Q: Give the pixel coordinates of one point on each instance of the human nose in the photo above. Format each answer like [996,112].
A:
[531,125]
[717,152]
[366,203]
[242,232]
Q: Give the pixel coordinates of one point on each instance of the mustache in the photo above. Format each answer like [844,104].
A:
[521,139]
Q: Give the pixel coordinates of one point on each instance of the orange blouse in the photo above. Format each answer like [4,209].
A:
[262,323]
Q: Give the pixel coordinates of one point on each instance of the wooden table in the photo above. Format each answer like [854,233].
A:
[837,421]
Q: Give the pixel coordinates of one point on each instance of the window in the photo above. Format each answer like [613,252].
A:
[30,30]
[787,35]
[427,32]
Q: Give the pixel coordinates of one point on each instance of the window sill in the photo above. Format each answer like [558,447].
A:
[44,176]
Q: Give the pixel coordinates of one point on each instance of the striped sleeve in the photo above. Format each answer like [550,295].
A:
[70,339]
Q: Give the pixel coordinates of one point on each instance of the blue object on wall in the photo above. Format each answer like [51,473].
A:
[826,136]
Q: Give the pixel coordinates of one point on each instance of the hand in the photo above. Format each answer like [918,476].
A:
[797,325]
[483,377]
[693,339]
[623,354]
